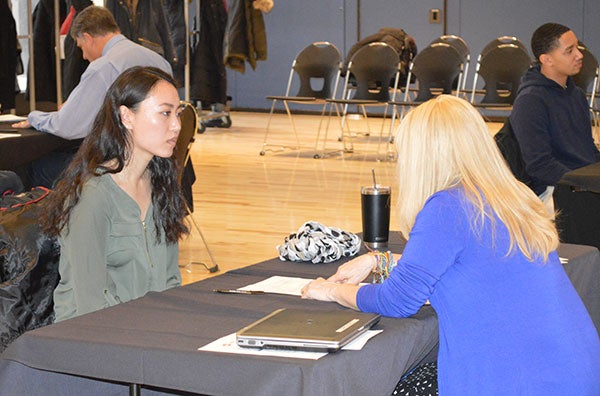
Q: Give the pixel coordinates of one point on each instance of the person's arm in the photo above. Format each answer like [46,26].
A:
[531,123]
[435,242]
[75,118]
[325,290]
[83,268]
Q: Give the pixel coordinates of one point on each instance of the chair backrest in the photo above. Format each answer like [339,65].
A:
[463,49]
[187,135]
[317,67]
[587,78]
[373,67]
[435,67]
[501,67]
[503,40]
[455,41]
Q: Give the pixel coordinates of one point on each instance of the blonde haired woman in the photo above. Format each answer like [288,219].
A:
[481,248]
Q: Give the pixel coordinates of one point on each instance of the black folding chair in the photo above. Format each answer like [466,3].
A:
[501,67]
[463,49]
[181,155]
[374,71]
[435,68]
[317,68]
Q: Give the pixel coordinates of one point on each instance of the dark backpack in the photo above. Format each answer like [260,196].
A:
[511,151]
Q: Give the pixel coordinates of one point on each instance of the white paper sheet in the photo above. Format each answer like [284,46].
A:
[228,344]
[8,135]
[280,285]
[11,118]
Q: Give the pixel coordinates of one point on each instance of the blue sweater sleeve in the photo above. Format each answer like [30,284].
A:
[435,243]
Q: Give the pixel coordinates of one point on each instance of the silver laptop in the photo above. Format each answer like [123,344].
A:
[307,330]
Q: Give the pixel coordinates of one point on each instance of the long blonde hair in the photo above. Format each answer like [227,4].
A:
[445,143]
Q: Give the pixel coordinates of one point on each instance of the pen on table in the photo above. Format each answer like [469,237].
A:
[237,291]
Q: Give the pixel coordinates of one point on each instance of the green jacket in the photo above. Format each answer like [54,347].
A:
[108,255]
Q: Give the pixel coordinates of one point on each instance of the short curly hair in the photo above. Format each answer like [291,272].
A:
[545,38]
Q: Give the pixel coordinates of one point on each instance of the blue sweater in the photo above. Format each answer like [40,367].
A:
[552,126]
[507,326]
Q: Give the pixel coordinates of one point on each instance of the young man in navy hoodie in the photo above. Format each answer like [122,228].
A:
[550,116]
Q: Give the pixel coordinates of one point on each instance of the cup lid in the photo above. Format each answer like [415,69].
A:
[375,190]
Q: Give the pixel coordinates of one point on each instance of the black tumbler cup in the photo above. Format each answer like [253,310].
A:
[375,203]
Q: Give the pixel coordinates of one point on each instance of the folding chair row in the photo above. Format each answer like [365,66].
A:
[442,67]
[371,74]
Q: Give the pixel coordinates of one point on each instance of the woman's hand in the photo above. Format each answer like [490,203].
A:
[354,271]
[319,289]
[324,290]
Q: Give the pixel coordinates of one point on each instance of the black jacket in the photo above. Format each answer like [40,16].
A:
[208,78]
[73,65]
[43,49]
[8,54]
[148,26]
[28,268]
[176,20]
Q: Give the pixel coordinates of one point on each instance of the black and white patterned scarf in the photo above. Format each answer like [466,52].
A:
[319,244]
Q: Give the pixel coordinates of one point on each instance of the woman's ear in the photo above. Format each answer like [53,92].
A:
[126,116]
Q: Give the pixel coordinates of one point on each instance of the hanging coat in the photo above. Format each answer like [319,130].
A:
[208,78]
[73,65]
[148,26]
[43,49]
[8,54]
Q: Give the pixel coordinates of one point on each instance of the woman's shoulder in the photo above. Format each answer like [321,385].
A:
[447,205]
[98,188]
[448,197]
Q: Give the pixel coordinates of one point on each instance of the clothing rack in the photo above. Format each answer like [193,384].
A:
[31,66]
[221,115]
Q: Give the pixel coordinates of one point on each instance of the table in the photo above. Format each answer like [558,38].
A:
[577,198]
[28,145]
[153,341]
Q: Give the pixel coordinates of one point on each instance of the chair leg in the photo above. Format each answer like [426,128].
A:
[213,267]
[264,148]
[323,153]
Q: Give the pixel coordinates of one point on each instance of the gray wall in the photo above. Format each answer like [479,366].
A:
[292,25]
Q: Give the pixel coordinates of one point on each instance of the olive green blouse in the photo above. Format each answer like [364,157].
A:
[108,255]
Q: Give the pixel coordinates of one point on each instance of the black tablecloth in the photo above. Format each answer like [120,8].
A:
[577,200]
[154,341]
[26,146]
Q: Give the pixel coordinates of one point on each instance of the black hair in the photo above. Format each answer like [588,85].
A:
[106,150]
[545,38]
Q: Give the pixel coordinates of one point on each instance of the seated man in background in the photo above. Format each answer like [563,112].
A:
[550,116]
[110,53]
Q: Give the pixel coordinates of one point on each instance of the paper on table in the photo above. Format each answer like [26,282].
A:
[11,118]
[280,285]
[228,344]
[9,135]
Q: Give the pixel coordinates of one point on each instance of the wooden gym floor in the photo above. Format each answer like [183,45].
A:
[246,204]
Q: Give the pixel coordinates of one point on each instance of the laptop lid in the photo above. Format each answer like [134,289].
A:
[307,330]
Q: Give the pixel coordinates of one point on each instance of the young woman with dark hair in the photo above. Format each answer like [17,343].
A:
[118,211]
